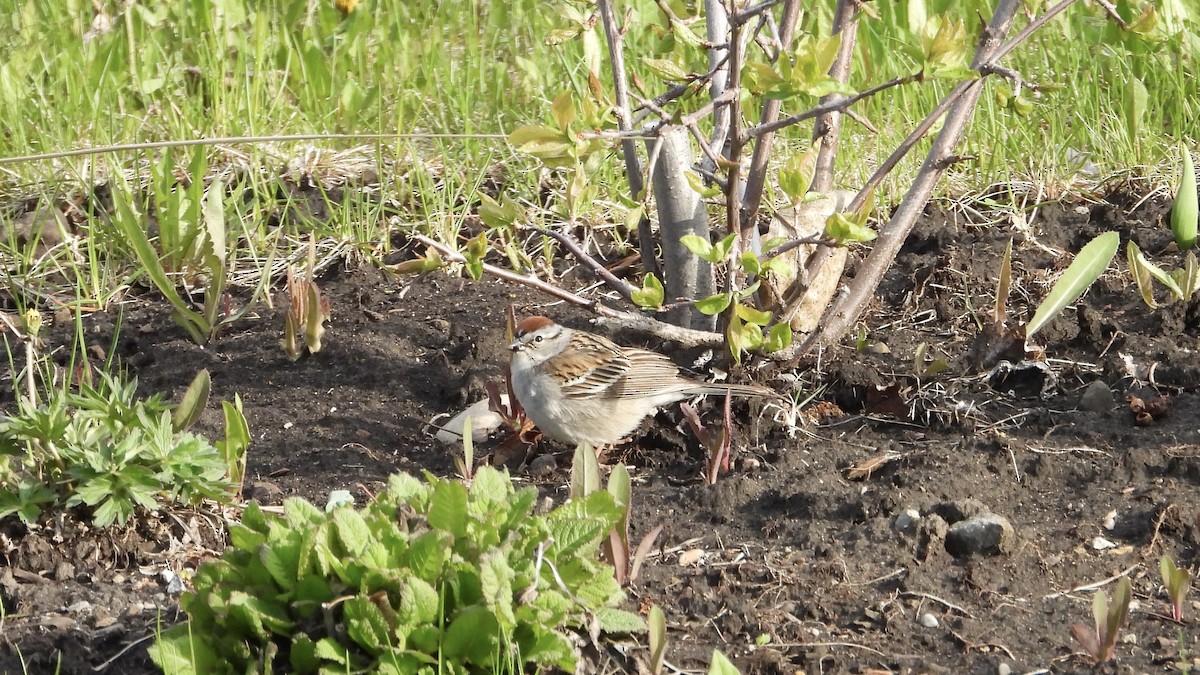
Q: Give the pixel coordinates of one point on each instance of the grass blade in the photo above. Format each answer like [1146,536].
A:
[1091,262]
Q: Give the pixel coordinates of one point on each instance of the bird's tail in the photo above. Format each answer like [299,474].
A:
[712,388]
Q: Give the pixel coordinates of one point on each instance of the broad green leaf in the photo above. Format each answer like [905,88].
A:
[178,650]
[650,295]
[562,109]
[448,507]
[1088,265]
[352,530]
[499,214]
[613,620]
[214,217]
[698,245]
[365,624]
[750,264]
[585,472]
[657,625]
[751,315]
[696,181]
[1185,211]
[472,637]
[778,338]
[722,248]
[721,665]
[714,304]
[192,404]
[666,69]
[1134,99]
[496,579]
[541,141]
[842,229]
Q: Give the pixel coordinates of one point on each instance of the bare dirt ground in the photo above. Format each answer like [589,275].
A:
[793,562]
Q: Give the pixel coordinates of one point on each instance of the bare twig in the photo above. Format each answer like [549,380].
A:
[1093,586]
[607,316]
[840,105]
[756,176]
[633,168]
[828,127]
[588,261]
[960,105]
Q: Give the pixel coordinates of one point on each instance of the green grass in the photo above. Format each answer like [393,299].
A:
[475,71]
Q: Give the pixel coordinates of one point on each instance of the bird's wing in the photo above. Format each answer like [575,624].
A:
[591,367]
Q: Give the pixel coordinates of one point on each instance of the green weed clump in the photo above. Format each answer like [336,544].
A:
[106,451]
[430,577]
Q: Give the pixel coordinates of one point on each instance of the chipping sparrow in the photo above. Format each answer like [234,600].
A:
[582,388]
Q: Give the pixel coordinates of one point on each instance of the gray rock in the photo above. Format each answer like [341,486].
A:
[988,534]
[542,465]
[1096,398]
[928,620]
[65,571]
[906,521]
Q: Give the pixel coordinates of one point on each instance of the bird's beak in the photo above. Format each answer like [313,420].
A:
[516,346]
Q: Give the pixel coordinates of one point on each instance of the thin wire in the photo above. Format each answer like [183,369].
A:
[230,140]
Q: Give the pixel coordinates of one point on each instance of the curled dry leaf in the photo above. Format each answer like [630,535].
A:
[1148,411]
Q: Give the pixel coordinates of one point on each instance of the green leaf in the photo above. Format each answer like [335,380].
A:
[177,650]
[352,530]
[696,181]
[585,472]
[1088,265]
[751,315]
[214,218]
[365,623]
[666,69]
[502,214]
[1134,99]
[651,294]
[1143,270]
[1185,211]
[721,665]
[613,620]
[496,579]
[562,109]
[448,507]
[778,338]
[714,304]
[842,229]
[541,141]
[657,624]
[699,246]
[472,637]
[192,404]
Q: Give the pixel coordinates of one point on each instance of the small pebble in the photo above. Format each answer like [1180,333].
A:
[1100,543]
[1096,398]
[987,534]
[80,607]
[928,620]
[906,521]
[65,571]
[1004,669]
[542,465]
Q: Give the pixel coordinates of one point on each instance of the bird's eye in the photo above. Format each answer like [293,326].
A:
[539,338]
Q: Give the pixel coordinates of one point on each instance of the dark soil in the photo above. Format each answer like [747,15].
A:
[794,561]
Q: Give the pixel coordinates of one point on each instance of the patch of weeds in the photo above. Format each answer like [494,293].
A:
[105,451]
[432,576]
